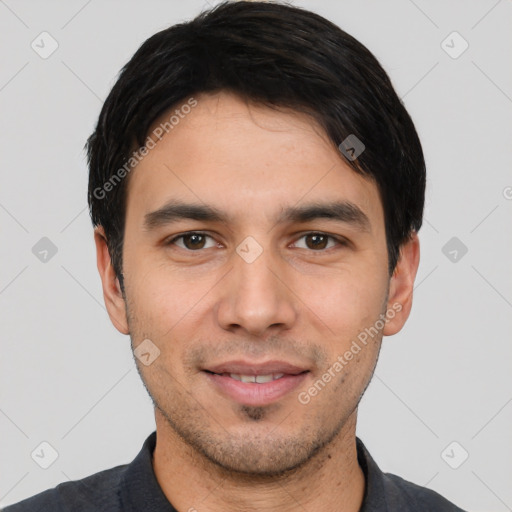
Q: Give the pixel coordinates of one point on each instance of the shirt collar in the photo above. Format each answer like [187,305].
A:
[374,495]
[140,489]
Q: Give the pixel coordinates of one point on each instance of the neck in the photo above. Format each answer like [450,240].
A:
[331,480]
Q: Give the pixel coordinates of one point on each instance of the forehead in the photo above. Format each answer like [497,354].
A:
[246,160]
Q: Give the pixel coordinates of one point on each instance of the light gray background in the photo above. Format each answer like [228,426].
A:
[67,376]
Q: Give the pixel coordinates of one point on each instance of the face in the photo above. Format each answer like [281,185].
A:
[252,251]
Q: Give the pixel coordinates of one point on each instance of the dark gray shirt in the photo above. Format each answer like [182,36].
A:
[133,487]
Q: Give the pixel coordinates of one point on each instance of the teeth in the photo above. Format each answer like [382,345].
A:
[260,379]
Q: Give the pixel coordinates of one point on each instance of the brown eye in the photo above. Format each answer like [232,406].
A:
[192,241]
[316,241]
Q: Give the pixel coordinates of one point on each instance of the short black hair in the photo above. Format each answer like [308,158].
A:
[276,55]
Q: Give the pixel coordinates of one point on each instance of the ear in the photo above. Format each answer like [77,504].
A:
[112,294]
[401,285]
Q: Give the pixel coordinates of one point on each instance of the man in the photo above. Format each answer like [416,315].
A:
[256,188]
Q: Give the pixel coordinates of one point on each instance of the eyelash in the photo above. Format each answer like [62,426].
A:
[340,242]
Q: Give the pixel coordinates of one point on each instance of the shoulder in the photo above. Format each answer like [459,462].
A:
[99,491]
[404,495]
[388,492]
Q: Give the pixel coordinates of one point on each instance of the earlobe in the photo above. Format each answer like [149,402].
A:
[401,286]
[112,294]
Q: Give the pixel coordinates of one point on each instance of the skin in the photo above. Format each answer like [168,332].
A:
[296,302]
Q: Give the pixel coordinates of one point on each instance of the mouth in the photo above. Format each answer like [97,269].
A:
[255,384]
[258,379]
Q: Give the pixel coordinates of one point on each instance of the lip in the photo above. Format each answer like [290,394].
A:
[245,368]
[252,393]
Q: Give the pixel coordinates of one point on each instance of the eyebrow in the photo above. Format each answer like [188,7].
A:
[340,211]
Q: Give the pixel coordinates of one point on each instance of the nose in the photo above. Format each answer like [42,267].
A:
[256,297]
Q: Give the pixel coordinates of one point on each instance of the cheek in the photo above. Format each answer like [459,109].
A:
[342,304]
[168,304]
